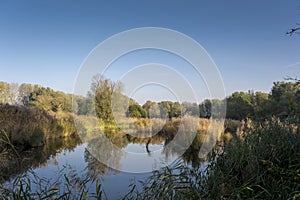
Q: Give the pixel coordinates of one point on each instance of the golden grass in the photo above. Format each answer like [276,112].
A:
[31,126]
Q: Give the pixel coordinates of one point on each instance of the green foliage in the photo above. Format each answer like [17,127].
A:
[260,102]
[169,109]
[8,93]
[283,101]
[50,100]
[4,90]
[135,110]
[285,98]
[263,164]
[84,105]
[102,91]
[239,106]
[35,96]
[24,93]
[214,108]
[152,109]
[191,109]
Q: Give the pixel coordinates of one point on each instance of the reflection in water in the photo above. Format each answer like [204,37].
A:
[12,164]
[96,169]
[55,153]
[114,155]
[108,142]
[40,157]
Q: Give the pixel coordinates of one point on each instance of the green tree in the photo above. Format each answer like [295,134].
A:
[82,105]
[175,109]
[260,103]
[217,108]
[136,110]
[205,109]
[4,91]
[102,91]
[190,108]
[284,98]
[165,109]
[239,106]
[50,100]
[169,109]
[24,93]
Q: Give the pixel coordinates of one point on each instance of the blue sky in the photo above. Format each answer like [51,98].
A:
[45,42]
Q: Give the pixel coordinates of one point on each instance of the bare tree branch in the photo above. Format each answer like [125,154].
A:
[296,80]
[293,30]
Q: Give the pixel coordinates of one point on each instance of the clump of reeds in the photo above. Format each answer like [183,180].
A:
[263,162]
[175,182]
[66,186]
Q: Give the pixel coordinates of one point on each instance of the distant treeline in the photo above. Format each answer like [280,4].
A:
[35,96]
[282,101]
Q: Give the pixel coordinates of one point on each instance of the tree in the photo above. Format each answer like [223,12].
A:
[136,110]
[190,108]
[217,108]
[24,93]
[175,109]
[13,93]
[205,109]
[284,98]
[50,100]
[239,106]
[165,109]
[102,91]
[152,109]
[260,103]
[4,91]
[82,106]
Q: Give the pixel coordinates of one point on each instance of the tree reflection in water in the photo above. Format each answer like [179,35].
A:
[110,154]
[11,164]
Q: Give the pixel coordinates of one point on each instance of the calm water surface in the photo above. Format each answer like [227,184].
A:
[73,159]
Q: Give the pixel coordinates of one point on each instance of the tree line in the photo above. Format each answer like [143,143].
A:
[283,100]
[33,95]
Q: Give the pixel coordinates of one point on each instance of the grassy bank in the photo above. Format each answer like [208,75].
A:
[30,127]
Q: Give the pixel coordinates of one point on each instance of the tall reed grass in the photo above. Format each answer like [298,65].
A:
[261,161]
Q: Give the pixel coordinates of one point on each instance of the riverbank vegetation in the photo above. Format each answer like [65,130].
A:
[261,161]
[257,155]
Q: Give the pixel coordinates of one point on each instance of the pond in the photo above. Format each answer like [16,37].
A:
[71,157]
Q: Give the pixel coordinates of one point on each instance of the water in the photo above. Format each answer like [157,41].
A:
[115,183]
[71,157]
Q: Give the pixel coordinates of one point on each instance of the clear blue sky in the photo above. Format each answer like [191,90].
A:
[45,42]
